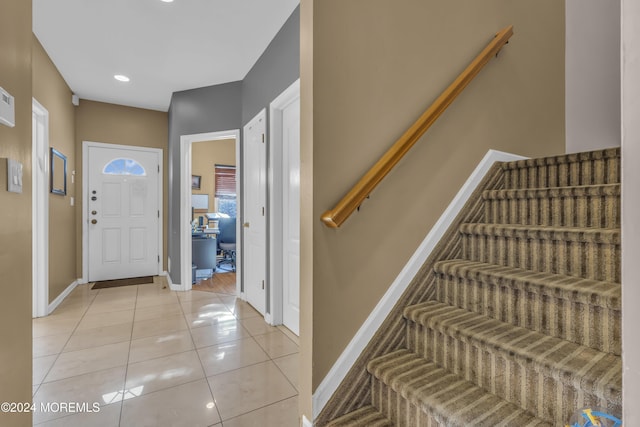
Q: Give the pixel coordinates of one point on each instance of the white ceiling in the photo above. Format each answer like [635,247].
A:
[162,47]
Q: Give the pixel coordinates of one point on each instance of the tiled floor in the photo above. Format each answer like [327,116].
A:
[152,357]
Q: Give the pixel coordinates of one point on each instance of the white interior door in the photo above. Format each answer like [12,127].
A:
[255,230]
[123,212]
[291,216]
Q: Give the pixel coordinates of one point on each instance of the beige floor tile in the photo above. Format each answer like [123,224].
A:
[276,344]
[41,366]
[96,337]
[211,318]
[109,416]
[107,306]
[160,345]
[163,372]
[221,332]
[289,365]
[250,388]
[232,355]
[194,295]
[165,325]
[184,405]
[49,345]
[99,320]
[281,414]
[102,387]
[157,312]
[45,326]
[88,360]
[149,299]
[257,326]
[243,310]
[204,305]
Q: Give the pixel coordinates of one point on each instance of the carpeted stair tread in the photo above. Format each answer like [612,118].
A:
[583,367]
[449,398]
[570,288]
[553,192]
[540,232]
[609,153]
[367,416]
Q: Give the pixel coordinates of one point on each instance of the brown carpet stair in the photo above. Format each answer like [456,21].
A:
[521,326]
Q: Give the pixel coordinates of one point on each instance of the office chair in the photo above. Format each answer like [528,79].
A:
[227,241]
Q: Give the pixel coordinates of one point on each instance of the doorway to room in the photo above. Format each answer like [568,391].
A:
[214,203]
[198,199]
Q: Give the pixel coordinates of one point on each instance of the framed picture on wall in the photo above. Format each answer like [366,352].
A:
[195,182]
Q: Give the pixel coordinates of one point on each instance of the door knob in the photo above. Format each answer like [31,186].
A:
[94,221]
[245,225]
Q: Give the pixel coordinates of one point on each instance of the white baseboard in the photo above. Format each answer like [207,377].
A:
[172,286]
[56,302]
[350,354]
[306,422]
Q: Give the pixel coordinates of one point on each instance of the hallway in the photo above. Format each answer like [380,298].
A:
[153,357]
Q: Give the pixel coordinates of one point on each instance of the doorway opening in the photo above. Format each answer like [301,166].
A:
[192,183]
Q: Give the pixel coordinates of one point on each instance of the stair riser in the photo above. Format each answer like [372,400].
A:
[542,395]
[596,211]
[592,326]
[397,409]
[588,172]
[597,261]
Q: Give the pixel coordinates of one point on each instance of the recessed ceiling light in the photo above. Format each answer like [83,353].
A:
[168,1]
[121,78]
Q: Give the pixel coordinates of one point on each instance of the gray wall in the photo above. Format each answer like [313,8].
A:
[207,109]
[275,70]
[225,107]
[592,68]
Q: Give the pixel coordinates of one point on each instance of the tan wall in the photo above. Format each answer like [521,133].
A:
[15,213]
[205,155]
[52,92]
[116,124]
[376,67]
[307,220]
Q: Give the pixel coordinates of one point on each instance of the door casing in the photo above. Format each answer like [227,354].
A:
[85,203]
[185,205]
[276,199]
[40,200]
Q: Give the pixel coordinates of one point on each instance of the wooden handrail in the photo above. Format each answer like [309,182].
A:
[335,217]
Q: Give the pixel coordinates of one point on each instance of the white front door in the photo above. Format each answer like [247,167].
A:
[291,216]
[123,212]
[255,191]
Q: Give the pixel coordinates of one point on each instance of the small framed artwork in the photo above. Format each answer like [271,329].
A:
[195,182]
[58,172]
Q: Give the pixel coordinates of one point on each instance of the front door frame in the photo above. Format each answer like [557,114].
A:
[276,198]
[185,205]
[85,202]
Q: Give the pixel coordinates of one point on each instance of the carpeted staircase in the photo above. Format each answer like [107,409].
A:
[522,326]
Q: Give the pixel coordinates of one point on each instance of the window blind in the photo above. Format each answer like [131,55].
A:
[225,181]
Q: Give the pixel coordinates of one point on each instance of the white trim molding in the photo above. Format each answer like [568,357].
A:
[40,211]
[185,204]
[56,302]
[306,422]
[353,350]
[275,183]
[85,202]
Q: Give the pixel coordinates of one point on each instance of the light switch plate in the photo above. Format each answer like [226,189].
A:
[14,176]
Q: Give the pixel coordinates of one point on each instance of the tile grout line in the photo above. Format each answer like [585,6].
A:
[204,372]
[126,368]
[62,349]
